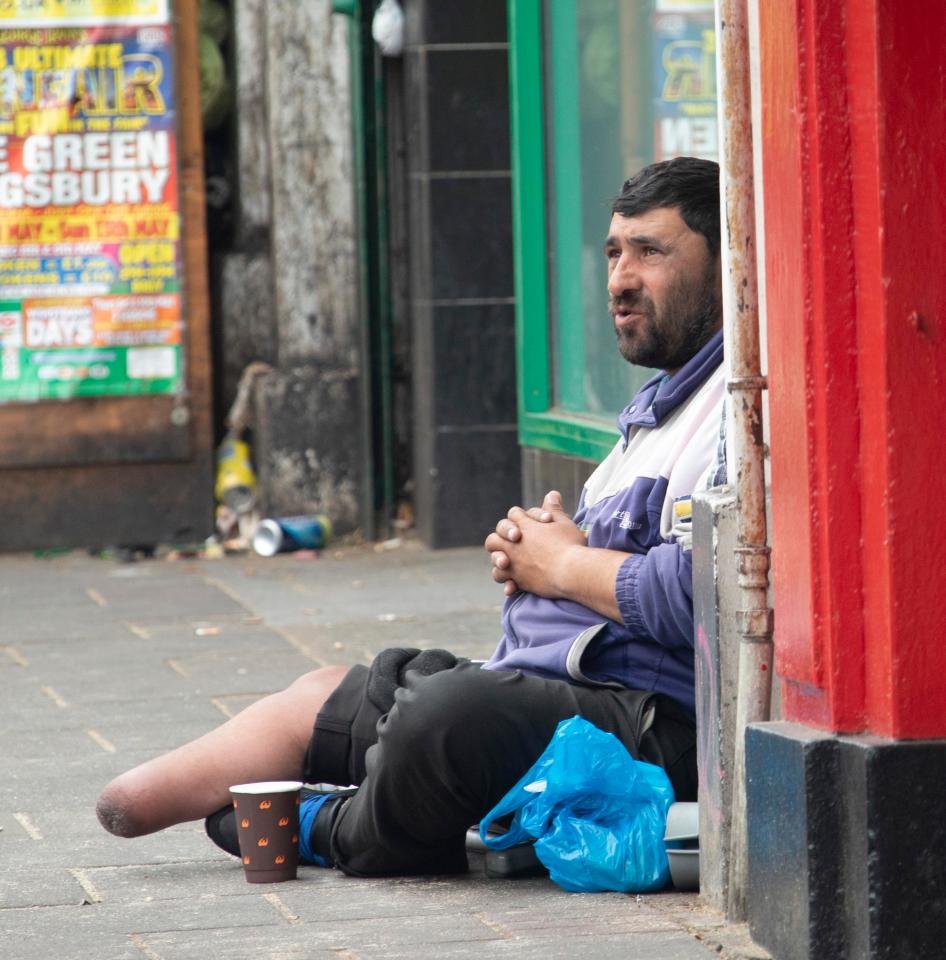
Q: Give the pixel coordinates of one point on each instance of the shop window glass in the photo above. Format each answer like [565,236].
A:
[625,82]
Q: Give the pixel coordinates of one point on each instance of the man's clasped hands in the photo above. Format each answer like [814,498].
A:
[529,549]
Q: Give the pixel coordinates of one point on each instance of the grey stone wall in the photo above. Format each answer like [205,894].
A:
[289,287]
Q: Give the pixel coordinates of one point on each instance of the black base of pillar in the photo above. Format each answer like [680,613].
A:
[847,845]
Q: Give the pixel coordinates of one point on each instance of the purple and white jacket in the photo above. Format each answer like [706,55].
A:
[670,433]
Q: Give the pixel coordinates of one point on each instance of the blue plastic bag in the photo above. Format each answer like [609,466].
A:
[597,815]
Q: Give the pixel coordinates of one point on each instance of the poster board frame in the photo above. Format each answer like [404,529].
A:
[144,428]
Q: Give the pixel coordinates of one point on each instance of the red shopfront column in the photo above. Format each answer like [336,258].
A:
[854,154]
[846,838]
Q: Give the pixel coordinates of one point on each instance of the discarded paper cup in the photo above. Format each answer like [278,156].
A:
[267,818]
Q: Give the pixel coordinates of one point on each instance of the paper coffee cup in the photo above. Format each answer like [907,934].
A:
[267,818]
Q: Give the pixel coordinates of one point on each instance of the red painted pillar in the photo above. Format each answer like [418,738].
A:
[854,154]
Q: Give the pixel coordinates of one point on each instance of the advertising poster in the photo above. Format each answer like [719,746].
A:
[685,80]
[80,13]
[90,260]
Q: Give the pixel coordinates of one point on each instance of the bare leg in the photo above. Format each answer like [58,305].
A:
[266,741]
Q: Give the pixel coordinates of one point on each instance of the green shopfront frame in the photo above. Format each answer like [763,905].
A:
[598,88]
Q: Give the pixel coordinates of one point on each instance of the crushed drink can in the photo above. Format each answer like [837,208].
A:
[285,534]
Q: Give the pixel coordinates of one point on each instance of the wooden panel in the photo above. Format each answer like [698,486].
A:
[94,430]
[811,280]
[101,506]
[126,470]
[902,292]
[856,297]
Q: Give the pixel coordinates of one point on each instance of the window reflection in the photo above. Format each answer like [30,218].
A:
[627,82]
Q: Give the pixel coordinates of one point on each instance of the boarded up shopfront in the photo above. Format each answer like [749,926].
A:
[105,420]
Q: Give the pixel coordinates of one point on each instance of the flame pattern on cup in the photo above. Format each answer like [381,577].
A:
[261,833]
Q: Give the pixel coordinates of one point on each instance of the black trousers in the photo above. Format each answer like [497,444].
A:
[452,745]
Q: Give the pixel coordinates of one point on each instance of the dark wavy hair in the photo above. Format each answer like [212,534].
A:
[687,183]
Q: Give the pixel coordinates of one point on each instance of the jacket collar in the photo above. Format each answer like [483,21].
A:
[648,409]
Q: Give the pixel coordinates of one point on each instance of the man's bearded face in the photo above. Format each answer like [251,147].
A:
[664,288]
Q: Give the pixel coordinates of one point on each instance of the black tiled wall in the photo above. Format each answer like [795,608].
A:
[450,21]
[456,102]
[470,235]
[476,343]
[468,109]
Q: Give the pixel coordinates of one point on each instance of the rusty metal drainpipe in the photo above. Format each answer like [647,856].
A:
[741,311]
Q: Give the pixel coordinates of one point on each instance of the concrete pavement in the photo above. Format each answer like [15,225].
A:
[102,665]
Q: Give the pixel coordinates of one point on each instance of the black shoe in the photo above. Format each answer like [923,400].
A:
[222,829]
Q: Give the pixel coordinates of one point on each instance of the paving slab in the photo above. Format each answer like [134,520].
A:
[32,888]
[46,628]
[468,633]
[81,932]
[104,665]
[168,723]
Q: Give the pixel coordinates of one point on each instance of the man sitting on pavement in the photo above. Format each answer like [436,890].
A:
[598,619]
